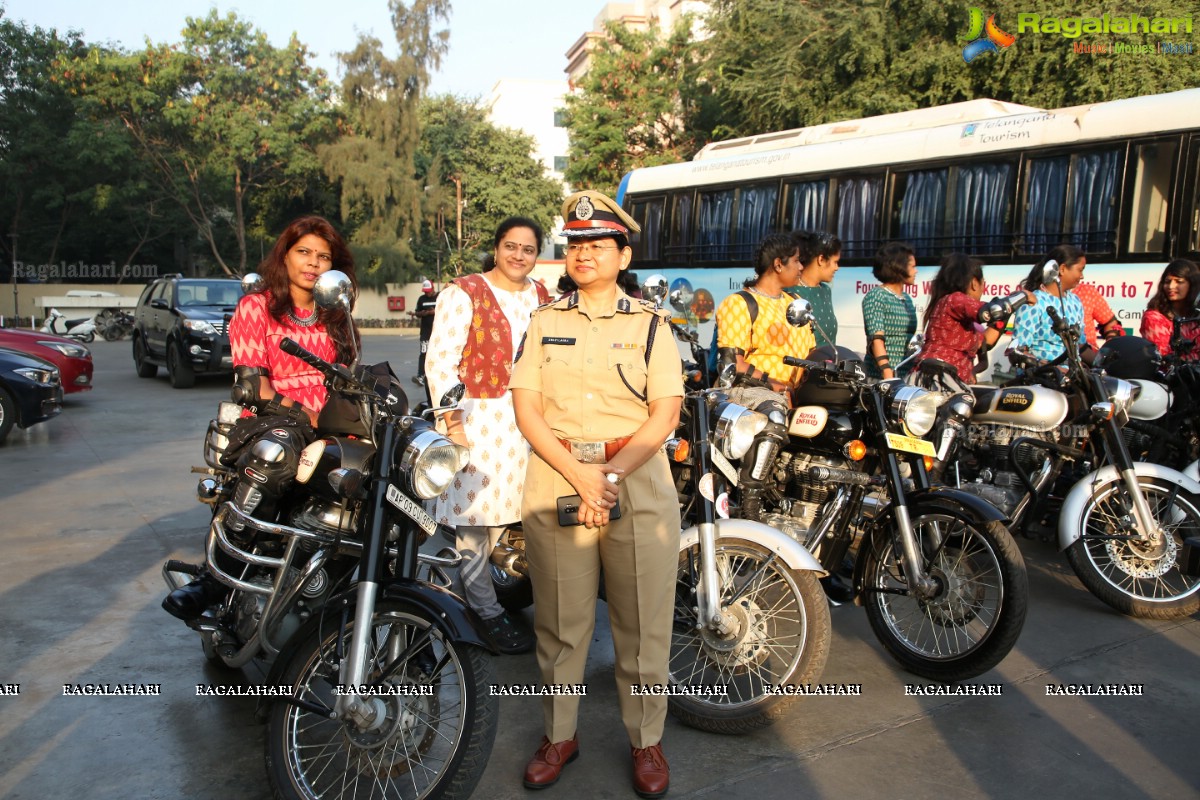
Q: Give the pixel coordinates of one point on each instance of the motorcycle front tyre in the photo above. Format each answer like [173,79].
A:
[778,644]
[1137,579]
[439,726]
[973,621]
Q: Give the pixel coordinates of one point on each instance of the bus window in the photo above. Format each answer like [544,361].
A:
[1154,165]
[713,219]
[1073,199]
[980,212]
[858,215]
[807,206]
[679,239]
[1193,214]
[755,218]
[647,245]
[921,216]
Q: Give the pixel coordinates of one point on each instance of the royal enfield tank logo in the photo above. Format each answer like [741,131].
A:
[1014,401]
[808,421]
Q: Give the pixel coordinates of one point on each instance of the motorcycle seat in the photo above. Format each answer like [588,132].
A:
[935,368]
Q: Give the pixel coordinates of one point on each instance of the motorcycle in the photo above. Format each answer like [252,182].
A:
[943,584]
[315,553]
[1051,440]
[114,324]
[81,330]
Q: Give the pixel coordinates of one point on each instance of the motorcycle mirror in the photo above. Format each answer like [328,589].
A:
[252,282]
[452,397]
[681,298]
[799,313]
[654,289]
[334,290]
[916,343]
[727,371]
[1050,272]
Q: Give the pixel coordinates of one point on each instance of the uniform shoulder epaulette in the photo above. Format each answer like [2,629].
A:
[648,305]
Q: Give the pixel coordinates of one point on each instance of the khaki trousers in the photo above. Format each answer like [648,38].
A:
[639,554]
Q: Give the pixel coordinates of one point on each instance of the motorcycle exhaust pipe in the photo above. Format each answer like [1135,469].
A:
[510,560]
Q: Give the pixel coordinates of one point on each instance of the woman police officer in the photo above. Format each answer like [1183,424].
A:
[596,400]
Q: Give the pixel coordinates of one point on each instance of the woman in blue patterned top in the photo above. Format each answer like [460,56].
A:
[819,256]
[889,316]
[1031,324]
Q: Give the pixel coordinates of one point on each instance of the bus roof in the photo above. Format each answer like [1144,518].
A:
[896,139]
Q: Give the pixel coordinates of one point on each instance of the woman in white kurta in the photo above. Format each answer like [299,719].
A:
[478,326]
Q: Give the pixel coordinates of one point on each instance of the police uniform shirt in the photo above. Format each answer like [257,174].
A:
[592,371]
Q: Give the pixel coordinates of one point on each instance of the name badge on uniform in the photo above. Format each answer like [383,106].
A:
[558,340]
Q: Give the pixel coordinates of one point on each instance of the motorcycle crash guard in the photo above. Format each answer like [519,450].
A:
[792,552]
[1070,519]
[450,614]
[937,498]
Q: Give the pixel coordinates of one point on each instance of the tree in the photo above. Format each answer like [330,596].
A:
[223,118]
[639,104]
[778,65]
[373,159]
[498,175]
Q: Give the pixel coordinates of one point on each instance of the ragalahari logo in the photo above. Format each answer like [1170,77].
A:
[984,36]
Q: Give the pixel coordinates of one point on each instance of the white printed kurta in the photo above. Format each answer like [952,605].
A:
[488,491]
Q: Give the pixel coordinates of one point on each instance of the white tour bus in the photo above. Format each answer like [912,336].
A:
[1004,182]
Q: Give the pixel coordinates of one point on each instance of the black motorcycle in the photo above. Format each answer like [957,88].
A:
[844,471]
[316,554]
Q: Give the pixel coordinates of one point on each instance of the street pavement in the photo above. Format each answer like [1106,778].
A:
[93,502]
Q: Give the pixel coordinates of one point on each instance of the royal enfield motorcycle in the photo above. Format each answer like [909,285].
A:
[1051,442]
[314,550]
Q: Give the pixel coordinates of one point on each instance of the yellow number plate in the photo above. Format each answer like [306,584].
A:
[907,444]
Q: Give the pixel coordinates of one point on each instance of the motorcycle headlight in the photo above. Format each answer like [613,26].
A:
[1120,394]
[200,326]
[915,408]
[48,376]
[735,428]
[430,462]
[68,350]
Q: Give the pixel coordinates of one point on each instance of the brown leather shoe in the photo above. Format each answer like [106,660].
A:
[548,762]
[651,775]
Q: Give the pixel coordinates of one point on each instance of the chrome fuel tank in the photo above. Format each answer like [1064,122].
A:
[1033,407]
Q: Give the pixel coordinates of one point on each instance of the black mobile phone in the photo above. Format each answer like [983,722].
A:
[568,510]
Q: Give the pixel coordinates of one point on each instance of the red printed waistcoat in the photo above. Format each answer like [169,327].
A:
[487,358]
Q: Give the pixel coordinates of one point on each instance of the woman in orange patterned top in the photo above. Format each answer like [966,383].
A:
[285,307]
[478,324]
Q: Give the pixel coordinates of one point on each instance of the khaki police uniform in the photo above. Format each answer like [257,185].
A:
[596,385]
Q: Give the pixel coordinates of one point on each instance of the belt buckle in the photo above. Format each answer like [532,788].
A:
[588,452]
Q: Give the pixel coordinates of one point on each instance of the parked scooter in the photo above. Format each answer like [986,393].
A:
[81,330]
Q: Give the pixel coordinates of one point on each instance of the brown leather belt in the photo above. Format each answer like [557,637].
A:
[595,452]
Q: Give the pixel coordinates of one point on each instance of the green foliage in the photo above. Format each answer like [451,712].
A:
[499,178]
[222,119]
[373,160]
[641,103]
[780,64]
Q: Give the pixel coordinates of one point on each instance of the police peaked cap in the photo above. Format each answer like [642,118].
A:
[595,214]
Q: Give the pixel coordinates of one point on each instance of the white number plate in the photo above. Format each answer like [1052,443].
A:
[909,444]
[414,511]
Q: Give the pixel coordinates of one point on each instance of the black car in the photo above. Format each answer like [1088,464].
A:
[30,390]
[182,324]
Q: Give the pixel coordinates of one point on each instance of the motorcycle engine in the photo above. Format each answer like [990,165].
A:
[248,608]
[327,516]
[803,496]
[988,468]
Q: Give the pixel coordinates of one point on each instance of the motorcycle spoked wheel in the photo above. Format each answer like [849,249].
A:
[429,745]
[974,620]
[780,637]
[1134,578]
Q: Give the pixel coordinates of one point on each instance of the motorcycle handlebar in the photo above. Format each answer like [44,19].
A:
[1001,307]
[290,347]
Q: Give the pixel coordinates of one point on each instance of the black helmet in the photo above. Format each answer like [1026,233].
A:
[816,390]
[1129,357]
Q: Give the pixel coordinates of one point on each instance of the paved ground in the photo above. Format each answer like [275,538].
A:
[92,502]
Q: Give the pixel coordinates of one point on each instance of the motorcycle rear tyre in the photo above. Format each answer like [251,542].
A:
[749,704]
[1182,597]
[384,758]
[992,543]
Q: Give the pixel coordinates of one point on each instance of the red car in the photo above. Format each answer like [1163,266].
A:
[74,361]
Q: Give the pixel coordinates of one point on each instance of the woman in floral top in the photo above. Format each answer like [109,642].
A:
[889,316]
[1176,297]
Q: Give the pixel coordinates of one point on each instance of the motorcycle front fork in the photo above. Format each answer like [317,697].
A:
[1148,529]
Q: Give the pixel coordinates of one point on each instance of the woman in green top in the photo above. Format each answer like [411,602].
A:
[819,256]
[889,316]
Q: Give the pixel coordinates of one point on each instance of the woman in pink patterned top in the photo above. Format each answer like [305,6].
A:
[285,307]
[1176,297]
